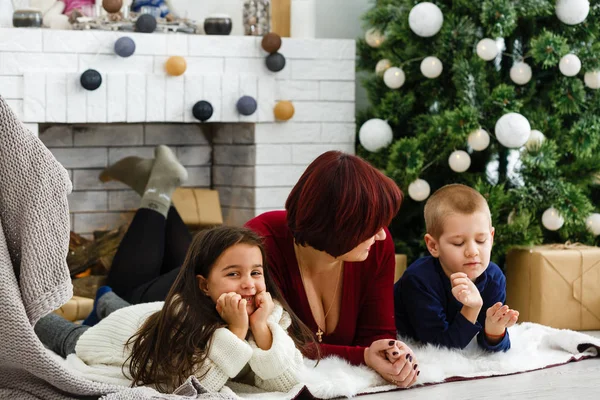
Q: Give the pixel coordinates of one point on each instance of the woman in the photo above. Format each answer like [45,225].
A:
[330,253]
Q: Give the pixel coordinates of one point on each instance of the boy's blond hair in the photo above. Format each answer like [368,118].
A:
[452,199]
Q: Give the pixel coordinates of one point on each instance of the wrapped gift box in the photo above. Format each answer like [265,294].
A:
[555,285]
[199,208]
[400,266]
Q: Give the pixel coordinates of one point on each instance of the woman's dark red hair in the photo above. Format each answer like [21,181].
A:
[339,202]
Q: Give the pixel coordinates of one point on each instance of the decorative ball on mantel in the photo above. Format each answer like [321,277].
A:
[145,23]
[271,42]
[425,19]
[375,134]
[246,105]
[512,130]
[124,46]
[176,66]
[572,12]
[592,224]
[284,110]
[202,110]
[90,79]
[112,6]
[374,37]
[459,161]
[419,190]
[275,62]
[552,220]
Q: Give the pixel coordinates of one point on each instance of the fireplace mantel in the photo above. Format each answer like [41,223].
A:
[39,77]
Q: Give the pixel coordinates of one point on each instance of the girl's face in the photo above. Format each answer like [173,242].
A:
[239,269]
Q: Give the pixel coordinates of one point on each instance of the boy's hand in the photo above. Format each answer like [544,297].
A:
[232,308]
[498,318]
[465,291]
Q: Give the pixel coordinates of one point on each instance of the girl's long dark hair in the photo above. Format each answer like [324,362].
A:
[173,343]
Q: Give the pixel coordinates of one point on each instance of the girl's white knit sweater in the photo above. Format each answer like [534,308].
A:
[101,352]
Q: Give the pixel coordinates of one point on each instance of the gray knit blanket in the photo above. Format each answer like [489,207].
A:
[34,277]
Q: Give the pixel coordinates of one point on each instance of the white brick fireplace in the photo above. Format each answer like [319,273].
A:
[253,161]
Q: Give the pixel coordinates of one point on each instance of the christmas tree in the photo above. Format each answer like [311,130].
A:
[501,95]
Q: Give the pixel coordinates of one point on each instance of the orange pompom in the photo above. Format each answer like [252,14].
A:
[284,110]
[176,65]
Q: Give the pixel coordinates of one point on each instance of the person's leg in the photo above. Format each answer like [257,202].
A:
[155,290]
[58,334]
[177,242]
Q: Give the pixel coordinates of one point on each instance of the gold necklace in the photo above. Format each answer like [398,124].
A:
[320,332]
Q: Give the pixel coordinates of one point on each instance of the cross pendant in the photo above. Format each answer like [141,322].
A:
[320,335]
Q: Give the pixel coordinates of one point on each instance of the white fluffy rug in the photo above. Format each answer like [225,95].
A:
[533,347]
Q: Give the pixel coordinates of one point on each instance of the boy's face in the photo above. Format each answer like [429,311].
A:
[465,244]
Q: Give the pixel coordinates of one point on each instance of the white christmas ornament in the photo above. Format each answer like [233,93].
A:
[592,223]
[569,65]
[512,130]
[394,77]
[592,79]
[536,138]
[552,220]
[382,66]
[375,134]
[425,19]
[459,161]
[487,49]
[419,190]
[479,140]
[572,12]
[520,73]
[431,67]
[374,37]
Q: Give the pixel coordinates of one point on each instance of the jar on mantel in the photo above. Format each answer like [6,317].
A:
[257,17]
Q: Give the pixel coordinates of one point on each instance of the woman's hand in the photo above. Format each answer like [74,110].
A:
[258,320]
[232,308]
[401,368]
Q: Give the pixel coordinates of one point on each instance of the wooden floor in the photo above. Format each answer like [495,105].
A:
[577,381]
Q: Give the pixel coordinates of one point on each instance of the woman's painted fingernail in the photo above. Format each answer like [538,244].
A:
[415,367]
[395,353]
[392,342]
[407,356]
[410,358]
[418,373]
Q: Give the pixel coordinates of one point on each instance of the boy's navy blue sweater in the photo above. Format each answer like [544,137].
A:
[427,311]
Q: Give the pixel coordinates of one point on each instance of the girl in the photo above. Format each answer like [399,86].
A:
[223,318]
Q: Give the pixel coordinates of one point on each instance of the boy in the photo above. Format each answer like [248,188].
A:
[456,293]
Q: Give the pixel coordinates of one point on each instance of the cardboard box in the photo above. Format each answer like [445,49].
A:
[199,208]
[400,266]
[555,285]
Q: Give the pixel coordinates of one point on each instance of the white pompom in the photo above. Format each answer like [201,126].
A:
[569,65]
[593,223]
[592,79]
[382,66]
[536,138]
[520,73]
[374,37]
[459,161]
[419,190]
[487,49]
[479,140]
[572,12]
[375,134]
[394,77]
[425,19]
[431,67]
[552,220]
[512,130]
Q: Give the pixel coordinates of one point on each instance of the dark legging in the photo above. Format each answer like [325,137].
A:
[149,256]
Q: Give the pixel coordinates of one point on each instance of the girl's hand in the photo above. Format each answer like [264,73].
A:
[264,307]
[232,308]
